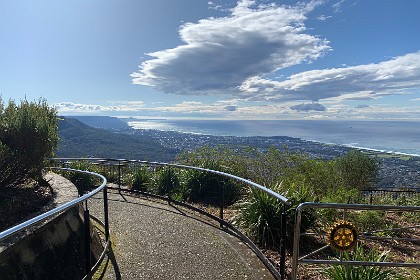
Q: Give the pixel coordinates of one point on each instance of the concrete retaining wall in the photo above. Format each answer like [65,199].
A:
[53,251]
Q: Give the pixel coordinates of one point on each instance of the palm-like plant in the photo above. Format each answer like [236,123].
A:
[352,272]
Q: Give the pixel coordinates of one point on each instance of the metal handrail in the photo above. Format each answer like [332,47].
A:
[237,178]
[119,162]
[20,227]
[341,206]
[40,218]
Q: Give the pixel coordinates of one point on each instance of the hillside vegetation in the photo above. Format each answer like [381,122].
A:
[28,137]
[80,140]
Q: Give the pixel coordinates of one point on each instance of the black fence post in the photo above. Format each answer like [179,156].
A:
[170,185]
[87,238]
[222,200]
[119,175]
[283,242]
[106,213]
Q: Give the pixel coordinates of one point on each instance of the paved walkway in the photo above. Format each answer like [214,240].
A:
[154,240]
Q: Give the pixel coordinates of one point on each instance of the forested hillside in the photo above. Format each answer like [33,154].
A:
[80,140]
[105,122]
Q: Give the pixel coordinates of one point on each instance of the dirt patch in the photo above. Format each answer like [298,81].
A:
[20,202]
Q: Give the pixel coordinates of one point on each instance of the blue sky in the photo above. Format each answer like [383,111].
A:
[341,59]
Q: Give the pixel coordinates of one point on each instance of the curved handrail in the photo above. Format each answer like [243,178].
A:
[20,227]
[280,198]
[237,178]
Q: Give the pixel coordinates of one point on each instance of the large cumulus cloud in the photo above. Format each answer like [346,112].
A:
[219,54]
[399,75]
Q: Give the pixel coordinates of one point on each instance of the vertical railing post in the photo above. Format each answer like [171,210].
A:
[87,238]
[296,241]
[106,213]
[283,242]
[119,175]
[222,200]
[170,185]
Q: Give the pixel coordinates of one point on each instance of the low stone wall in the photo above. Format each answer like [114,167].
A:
[55,250]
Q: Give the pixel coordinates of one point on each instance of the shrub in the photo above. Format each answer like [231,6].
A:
[83,182]
[209,188]
[358,170]
[260,216]
[352,272]
[166,181]
[140,179]
[28,137]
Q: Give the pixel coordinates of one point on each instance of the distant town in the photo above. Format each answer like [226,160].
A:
[397,171]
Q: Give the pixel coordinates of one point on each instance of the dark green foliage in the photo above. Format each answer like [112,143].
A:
[83,182]
[166,181]
[358,170]
[211,188]
[80,140]
[296,176]
[260,215]
[28,137]
[208,187]
[269,167]
[141,179]
[352,272]
[297,194]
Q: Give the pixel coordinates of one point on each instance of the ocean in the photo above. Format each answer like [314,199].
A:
[387,136]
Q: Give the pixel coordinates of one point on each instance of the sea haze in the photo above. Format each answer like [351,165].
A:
[390,136]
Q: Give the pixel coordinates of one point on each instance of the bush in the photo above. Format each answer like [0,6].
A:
[166,181]
[260,214]
[83,182]
[139,179]
[358,170]
[209,188]
[28,137]
[352,272]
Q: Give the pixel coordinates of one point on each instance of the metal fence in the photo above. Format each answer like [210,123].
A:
[373,196]
[346,233]
[115,170]
[82,200]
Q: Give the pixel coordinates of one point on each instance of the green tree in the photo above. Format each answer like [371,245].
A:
[358,170]
[28,137]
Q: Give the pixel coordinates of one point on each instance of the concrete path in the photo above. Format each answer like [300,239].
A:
[154,240]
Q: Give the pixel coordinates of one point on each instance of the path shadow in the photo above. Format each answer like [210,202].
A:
[111,258]
[178,210]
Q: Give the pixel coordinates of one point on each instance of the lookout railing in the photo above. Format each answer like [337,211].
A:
[81,200]
[114,170]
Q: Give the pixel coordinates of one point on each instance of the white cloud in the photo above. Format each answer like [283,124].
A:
[337,6]
[119,106]
[323,17]
[396,76]
[219,54]
[234,109]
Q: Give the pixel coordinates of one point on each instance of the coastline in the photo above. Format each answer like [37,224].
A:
[351,134]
